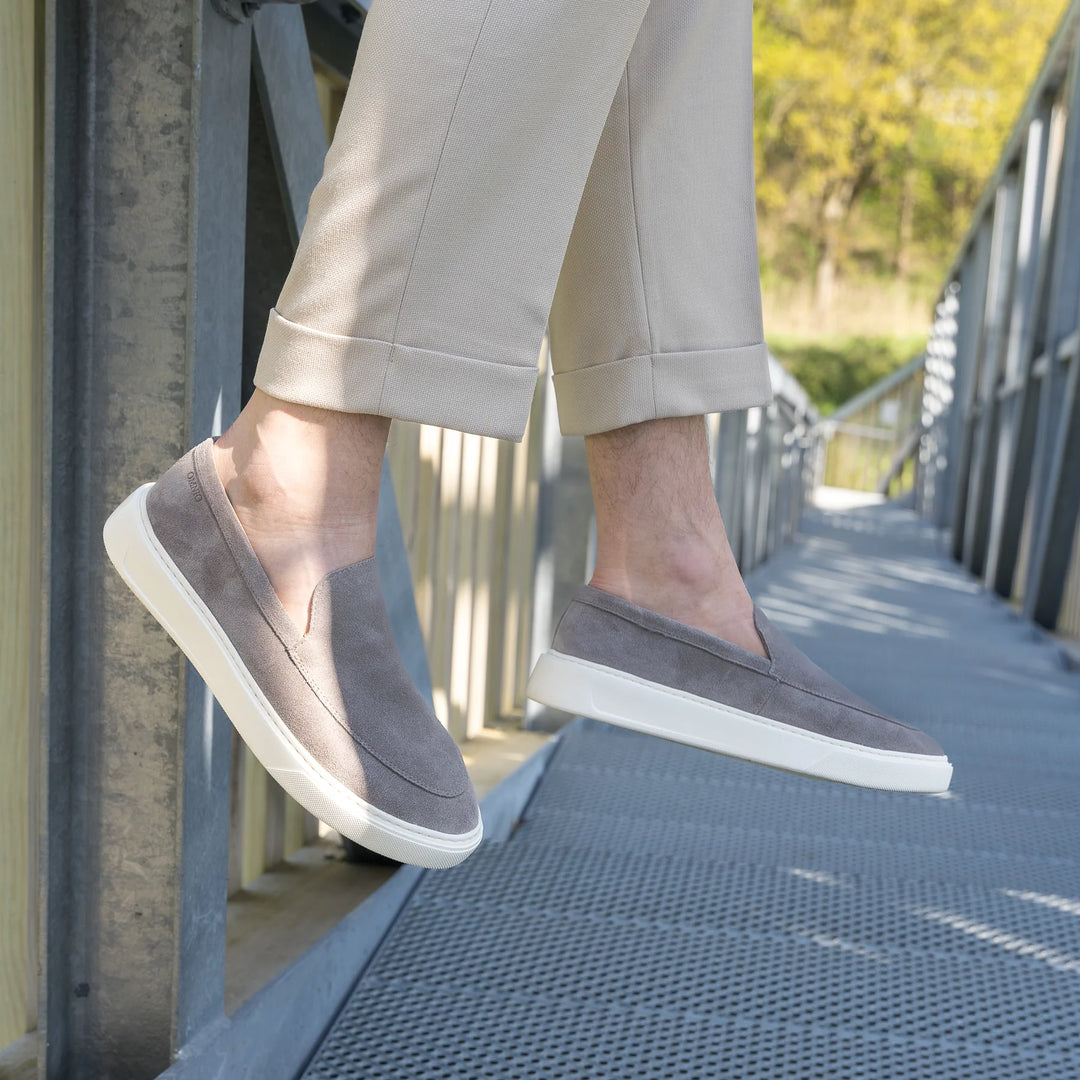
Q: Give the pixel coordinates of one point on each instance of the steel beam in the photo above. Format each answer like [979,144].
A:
[973,285]
[1056,467]
[145,161]
[730,476]
[985,415]
[1013,458]
[333,31]
[286,82]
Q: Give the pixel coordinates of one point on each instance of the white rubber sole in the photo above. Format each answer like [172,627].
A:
[155,579]
[602,693]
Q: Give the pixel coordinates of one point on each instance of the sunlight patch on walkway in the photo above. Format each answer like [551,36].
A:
[1058,903]
[1010,942]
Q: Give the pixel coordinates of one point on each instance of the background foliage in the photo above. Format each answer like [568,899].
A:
[878,123]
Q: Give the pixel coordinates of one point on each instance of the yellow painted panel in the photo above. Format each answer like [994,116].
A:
[20,496]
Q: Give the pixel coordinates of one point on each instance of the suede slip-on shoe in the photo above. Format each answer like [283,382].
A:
[331,714]
[614,661]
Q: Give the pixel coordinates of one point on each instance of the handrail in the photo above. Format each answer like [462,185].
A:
[876,391]
[1000,450]
[867,443]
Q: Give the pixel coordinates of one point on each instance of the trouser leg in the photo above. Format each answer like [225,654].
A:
[433,243]
[658,306]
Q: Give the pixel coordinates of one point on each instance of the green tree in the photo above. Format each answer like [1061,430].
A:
[884,114]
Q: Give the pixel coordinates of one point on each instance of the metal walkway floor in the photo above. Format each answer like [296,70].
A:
[662,912]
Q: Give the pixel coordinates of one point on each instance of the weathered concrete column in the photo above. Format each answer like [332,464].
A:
[146,122]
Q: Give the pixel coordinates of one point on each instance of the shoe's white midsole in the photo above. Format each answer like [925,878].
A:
[156,580]
[617,697]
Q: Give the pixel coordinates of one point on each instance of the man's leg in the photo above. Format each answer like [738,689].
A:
[657,313]
[427,266]
[657,320]
[659,539]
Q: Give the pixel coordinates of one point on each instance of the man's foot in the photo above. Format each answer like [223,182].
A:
[331,713]
[660,542]
[616,661]
[666,639]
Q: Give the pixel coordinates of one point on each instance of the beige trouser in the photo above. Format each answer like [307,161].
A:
[500,165]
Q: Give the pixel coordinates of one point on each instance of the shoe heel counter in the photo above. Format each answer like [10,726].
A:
[574,629]
[179,512]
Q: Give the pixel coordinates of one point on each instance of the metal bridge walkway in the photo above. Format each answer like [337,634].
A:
[660,912]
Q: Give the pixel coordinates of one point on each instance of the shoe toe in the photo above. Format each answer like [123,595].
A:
[813,699]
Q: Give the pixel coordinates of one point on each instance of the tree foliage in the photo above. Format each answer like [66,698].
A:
[878,124]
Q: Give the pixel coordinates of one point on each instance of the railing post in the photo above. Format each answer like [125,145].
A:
[1056,495]
[973,285]
[1003,246]
[730,479]
[144,249]
[1018,401]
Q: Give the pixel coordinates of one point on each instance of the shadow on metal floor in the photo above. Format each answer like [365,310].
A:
[663,912]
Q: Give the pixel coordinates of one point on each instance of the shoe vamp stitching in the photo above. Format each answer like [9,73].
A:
[771,674]
[842,704]
[676,636]
[231,548]
[313,683]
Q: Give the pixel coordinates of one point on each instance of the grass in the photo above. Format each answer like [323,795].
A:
[833,370]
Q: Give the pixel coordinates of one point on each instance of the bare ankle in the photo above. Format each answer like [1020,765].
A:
[304,484]
[303,462]
[660,540]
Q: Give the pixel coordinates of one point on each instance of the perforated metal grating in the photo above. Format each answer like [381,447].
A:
[662,912]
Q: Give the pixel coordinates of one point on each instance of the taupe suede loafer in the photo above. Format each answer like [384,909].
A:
[614,661]
[331,714]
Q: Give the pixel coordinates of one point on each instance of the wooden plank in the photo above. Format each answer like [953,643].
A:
[460,602]
[295,820]
[481,708]
[730,475]
[503,619]
[426,521]
[1068,622]
[20,501]
[274,827]
[525,563]
[237,763]
[521,536]
[253,835]
[444,576]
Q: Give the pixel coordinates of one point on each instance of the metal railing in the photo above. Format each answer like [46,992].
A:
[871,442]
[1000,450]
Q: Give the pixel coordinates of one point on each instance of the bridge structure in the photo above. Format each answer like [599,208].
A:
[638,909]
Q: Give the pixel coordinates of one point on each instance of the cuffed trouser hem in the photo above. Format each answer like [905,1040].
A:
[601,398]
[364,375]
